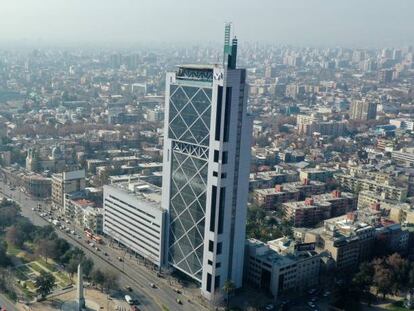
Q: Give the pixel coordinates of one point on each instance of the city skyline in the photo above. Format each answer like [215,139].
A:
[315,23]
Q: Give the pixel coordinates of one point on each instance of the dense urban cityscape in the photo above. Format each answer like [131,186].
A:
[218,176]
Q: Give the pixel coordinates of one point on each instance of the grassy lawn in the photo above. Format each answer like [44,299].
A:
[48,265]
[397,306]
[21,275]
[31,286]
[36,267]
[12,250]
[63,278]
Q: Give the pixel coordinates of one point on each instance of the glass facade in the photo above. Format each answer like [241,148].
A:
[189,128]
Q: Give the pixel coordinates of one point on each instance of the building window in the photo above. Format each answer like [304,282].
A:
[227,114]
[210,246]
[217,282]
[218,112]
[216,156]
[213,209]
[209,282]
[218,265]
[221,209]
[215,174]
[219,248]
[225,157]
[210,263]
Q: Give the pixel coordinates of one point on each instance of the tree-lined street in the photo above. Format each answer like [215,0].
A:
[131,273]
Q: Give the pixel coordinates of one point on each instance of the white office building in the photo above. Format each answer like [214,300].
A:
[133,217]
[206,170]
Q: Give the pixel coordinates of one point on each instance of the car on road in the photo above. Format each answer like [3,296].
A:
[177,290]
[178,300]
[129,300]
[128,288]
[152,285]
[326,294]
[120,259]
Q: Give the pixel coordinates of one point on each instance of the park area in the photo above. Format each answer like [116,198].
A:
[26,275]
[35,262]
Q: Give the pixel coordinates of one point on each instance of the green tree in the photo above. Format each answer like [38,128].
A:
[87,266]
[228,288]
[61,246]
[4,259]
[44,283]
[46,248]
[72,267]
[98,278]
[8,216]
[382,278]
[363,280]
[110,280]
[400,269]
[14,237]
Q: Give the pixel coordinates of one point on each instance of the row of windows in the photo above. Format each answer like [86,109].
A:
[211,247]
[134,228]
[218,264]
[132,237]
[129,216]
[216,282]
[134,207]
[220,209]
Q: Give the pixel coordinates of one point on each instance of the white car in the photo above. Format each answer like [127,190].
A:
[129,300]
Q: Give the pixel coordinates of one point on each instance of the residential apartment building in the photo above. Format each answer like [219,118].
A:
[269,179]
[66,182]
[318,208]
[378,183]
[363,110]
[319,174]
[311,124]
[274,197]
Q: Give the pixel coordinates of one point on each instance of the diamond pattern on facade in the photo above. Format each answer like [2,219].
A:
[190,110]
[187,212]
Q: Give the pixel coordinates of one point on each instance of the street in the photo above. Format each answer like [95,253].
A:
[131,273]
[6,303]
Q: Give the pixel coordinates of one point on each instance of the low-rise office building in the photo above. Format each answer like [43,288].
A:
[37,185]
[348,241]
[277,271]
[134,218]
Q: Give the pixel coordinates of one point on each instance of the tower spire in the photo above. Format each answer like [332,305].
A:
[230,48]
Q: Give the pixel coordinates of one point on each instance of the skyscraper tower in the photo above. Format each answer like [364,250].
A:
[206,169]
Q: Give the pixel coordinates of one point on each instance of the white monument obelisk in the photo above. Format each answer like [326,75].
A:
[80,296]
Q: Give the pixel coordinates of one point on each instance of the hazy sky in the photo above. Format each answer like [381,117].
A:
[298,22]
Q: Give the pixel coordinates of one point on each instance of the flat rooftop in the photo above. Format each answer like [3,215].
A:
[141,190]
